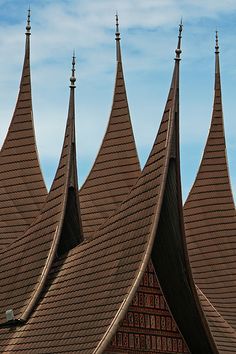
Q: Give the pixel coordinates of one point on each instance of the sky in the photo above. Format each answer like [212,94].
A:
[149,31]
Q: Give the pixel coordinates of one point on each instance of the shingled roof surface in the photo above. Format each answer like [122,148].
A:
[223,333]
[54,231]
[90,288]
[210,221]
[116,167]
[22,188]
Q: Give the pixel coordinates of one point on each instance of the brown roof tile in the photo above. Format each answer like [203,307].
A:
[22,188]
[210,222]
[117,161]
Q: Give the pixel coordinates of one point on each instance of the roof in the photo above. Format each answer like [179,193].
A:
[56,229]
[116,167]
[224,335]
[22,188]
[89,290]
[210,221]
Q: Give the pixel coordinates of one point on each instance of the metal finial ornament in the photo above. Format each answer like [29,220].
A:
[73,78]
[178,50]
[28,26]
[217,44]
[117,28]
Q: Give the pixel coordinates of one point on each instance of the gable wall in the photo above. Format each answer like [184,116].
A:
[148,326]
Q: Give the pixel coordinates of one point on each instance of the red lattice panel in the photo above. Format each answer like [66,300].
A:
[148,326]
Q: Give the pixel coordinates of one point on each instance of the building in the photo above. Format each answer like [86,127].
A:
[109,268]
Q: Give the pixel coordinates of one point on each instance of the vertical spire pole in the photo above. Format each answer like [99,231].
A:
[28,33]
[73,78]
[72,97]
[28,26]
[217,43]
[178,50]
[217,62]
[118,52]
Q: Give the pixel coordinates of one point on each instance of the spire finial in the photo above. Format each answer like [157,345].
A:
[178,50]
[217,43]
[28,26]
[73,78]
[117,27]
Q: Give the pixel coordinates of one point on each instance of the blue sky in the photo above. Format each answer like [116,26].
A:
[148,37]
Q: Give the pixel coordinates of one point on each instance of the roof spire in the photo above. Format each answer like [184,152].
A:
[118,52]
[217,64]
[117,27]
[73,78]
[178,50]
[28,26]
[217,44]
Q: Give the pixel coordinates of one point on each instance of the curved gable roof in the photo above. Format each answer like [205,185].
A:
[53,232]
[116,167]
[210,218]
[22,188]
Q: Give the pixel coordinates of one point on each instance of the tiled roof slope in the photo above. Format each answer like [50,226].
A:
[116,167]
[25,264]
[223,333]
[210,219]
[22,188]
[91,288]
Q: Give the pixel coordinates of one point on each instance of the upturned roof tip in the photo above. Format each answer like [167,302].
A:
[117,27]
[73,78]
[28,26]
[217,43]
[178,50]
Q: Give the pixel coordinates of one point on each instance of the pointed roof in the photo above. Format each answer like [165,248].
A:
[116,167]
[54,232]
[22,188]
[210,218]
[90,289]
